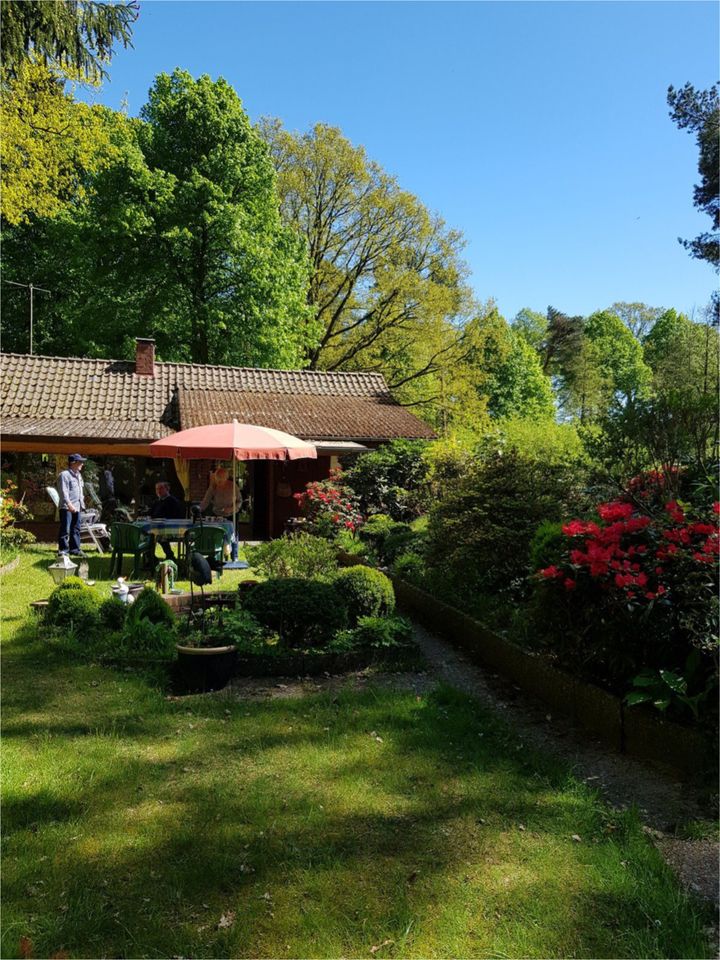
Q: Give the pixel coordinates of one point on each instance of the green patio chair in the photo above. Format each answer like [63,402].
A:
[207,540]
[127,538]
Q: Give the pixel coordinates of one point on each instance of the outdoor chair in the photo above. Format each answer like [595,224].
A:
[91,531]
[127,538]
[208,541]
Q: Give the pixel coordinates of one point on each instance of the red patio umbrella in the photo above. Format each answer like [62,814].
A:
[232,441]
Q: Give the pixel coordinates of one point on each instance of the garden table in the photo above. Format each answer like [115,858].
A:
[175,530]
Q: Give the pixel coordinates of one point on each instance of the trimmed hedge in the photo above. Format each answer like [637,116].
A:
[367,592]
[304,613]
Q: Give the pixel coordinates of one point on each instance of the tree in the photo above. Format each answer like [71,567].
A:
[698,111]
[50,143]
[387,284]
[75,35]
[532,327]
[179,238]
[637,317]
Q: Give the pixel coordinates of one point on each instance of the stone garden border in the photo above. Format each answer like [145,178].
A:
[633,731]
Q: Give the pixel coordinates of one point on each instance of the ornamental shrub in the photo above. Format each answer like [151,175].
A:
[387,537]
[479,535]
[74,608]
[304,613]
[377,633]
[149,605]
[547,545]
[299,555]
[367,592]
[112,613]
[411,567]
[633,592]
[392,479]
[329,506]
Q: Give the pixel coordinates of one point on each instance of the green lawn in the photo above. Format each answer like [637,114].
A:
[353,825]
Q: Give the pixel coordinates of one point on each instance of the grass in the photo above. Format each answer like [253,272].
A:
[361,824]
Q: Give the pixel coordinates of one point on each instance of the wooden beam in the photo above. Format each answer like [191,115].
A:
[94,448]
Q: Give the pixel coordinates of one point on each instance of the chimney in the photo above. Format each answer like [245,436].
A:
[144,357]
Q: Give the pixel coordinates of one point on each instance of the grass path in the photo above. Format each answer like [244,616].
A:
[382,823]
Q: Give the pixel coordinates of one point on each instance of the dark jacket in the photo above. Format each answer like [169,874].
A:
[168,508]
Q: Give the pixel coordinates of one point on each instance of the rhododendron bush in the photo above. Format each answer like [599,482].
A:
[329,506]
[635,589]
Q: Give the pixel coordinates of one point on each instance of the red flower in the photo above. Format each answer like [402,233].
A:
[615,511]
[577,527]
[569,584]
[550,572]
[716,507]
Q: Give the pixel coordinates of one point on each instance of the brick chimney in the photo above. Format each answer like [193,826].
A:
[144,357]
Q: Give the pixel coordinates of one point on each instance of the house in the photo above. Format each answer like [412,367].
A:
[116,408]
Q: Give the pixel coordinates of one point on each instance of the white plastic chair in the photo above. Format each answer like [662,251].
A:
[90,530]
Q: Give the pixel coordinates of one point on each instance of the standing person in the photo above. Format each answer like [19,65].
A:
[218,499]
[72,504]
[107,492]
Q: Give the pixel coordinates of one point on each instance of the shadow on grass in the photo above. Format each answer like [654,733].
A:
[332,840]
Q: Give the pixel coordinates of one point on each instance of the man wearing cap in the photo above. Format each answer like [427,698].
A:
[72,504]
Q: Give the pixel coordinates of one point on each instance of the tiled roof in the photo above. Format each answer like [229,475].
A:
[106,399]
[305,415]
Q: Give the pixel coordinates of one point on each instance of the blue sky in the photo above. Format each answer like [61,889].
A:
[539,129]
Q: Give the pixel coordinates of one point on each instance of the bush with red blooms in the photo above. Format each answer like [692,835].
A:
[329,506]
[633,590]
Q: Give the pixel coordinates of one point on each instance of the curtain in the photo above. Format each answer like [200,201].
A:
[182,469]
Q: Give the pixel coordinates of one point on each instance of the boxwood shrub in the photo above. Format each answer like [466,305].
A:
[304,613]
[74,606]
[367,592]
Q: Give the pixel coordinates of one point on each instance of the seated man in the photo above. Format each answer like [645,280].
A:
[166,507]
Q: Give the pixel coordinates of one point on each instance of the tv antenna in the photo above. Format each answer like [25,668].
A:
[32,288]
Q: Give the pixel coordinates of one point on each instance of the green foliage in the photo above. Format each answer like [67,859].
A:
[698,111]
[145,640]
[518,386]
[377,633]
[387,283]
[367,592]
[13,511]
[75,34]
[669,691]
[304,613]
[74,608]
[300,555]
[531,326]
[388,538]
[547,545]
[410,566]
[179,238]
[113,613]
[390,480]
[149,605]
[480,534]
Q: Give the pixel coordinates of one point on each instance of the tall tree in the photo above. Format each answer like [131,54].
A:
[532,326]
[180,238]
[698,111]
[76,35]
[387,283]
[637,317]
[50,143]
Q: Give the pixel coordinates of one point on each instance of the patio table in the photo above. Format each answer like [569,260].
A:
[175,530]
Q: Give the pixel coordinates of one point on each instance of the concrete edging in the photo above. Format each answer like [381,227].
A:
[633,731]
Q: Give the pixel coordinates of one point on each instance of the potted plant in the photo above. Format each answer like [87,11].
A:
[206,660]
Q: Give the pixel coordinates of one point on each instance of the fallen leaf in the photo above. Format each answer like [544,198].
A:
[577,838]
[26,948]
[521,827]
[379,946]
[226,920]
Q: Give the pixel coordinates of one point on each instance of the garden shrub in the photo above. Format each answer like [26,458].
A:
[112,613]
[376,633]
[300,555]
[479,535]
[329,506]
[547,545]
[304,613]
[633,593]
[74,607]
[144,638]
[367,592]
[387,537]
[410,566]
[149,605]
[391,479]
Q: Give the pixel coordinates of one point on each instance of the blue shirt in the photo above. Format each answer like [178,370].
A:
[70,488]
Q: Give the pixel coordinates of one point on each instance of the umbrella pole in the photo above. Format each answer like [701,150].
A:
[234,495]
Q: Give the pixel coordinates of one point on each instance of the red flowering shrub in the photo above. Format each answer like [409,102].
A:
[13,510]
[633,591]
[329,506]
